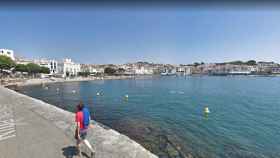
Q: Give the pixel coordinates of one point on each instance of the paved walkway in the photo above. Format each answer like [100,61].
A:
[30,128]
[25,134]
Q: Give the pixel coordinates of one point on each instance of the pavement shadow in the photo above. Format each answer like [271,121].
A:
[85,155]
[70,151]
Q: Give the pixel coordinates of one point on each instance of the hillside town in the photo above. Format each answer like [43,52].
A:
[68,68]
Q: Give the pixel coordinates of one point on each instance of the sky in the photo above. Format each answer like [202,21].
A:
[118,35]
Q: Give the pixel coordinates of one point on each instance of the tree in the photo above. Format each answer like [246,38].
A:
[85,74]
[236,62]
[196,64]
[21,68]
[121,70]
[109,70]
[44,70]
[33,68]
[6,62]
[251,62]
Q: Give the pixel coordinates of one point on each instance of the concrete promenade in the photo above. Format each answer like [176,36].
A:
[30,128]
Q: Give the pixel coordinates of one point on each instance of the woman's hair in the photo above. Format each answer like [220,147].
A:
[80,106]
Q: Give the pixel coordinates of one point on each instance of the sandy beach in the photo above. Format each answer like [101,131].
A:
[7,82]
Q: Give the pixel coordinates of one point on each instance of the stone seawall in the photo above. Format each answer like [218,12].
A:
[107,142]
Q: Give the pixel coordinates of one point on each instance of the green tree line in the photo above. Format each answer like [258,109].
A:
[31,68]
[238,62]
[7,63]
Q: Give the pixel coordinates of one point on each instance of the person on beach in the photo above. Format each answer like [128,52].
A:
[83,123]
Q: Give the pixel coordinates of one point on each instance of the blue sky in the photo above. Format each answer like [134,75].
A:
[116,35]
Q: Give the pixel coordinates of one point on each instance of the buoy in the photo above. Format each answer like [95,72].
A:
[97,93]
[57,89]
[206,110]
[46,88]
[126,97]
[73,91]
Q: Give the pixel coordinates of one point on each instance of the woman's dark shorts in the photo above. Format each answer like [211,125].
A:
[83,135]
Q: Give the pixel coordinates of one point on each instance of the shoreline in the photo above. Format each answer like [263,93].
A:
[105,140]
[139,130]
[37,81]
[18,82]
[171,148]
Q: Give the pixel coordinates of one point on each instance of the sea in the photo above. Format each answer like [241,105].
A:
[165,114]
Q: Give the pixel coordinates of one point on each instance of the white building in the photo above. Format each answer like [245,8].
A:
[129,69]
[68,68]
[265,67]
[96,70]
[93,69]
[23,61]
[51,64]
[8,53]
[187,70]
[143,70]
[253,69]
[266,64]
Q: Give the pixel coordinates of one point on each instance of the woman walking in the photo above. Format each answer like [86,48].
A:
[82,125]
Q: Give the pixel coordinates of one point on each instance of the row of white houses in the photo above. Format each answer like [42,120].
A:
[67,67]
[63,68]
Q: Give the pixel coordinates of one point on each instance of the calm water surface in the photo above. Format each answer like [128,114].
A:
[165,114]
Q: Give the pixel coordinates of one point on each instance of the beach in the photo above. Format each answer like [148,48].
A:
[37,81]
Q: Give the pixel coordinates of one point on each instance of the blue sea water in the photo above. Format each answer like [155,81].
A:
[244,118]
